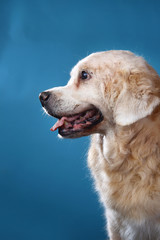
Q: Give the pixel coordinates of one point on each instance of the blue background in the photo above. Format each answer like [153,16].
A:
[46,191]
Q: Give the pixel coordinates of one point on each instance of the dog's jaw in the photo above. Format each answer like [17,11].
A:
[78,125]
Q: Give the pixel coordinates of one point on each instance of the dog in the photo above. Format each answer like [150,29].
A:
[115,97]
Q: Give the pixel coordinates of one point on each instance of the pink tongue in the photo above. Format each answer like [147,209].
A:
[61,122]
[58,124]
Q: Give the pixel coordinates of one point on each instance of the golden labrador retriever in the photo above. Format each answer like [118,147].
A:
[115,96]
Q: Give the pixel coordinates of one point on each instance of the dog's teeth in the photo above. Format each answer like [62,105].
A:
[88,123]
[67,124]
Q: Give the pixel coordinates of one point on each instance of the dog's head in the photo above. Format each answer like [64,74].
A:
[105,89]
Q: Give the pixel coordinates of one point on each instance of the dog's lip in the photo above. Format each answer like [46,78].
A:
[72,124]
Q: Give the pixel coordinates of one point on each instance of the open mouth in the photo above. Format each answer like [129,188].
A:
[78,123]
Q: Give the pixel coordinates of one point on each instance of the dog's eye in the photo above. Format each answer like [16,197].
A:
[84,75]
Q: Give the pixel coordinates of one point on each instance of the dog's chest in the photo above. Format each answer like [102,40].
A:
[127,193]
[148,230]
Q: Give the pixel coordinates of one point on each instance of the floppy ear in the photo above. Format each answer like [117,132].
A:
[138,98]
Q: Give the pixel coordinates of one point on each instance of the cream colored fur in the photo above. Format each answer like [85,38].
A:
[124,155]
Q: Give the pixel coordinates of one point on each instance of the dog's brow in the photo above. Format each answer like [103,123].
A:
[71,73]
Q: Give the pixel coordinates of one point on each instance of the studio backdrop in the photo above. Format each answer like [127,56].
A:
[46,191]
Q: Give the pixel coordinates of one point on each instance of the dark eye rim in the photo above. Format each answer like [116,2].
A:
[84,75]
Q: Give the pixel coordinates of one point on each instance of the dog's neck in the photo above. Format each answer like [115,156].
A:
[137,142]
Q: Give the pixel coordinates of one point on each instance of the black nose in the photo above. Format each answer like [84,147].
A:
[43,97]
